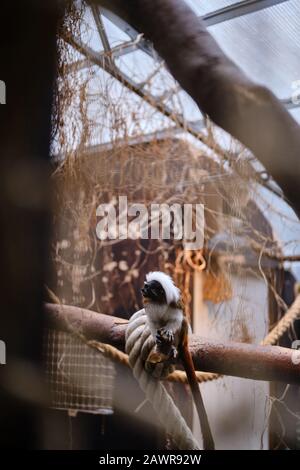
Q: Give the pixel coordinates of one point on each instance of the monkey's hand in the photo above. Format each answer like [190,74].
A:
[164,349]
[164,336]
[165,343]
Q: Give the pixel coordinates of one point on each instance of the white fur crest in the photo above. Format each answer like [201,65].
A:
[172,292]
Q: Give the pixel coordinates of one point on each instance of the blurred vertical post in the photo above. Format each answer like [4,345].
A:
[27,68]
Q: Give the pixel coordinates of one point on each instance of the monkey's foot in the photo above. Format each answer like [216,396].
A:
[164,336]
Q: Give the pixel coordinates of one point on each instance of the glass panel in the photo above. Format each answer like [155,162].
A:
[202,7]
[115,35]
[88,31]
[266,45]
[137,65]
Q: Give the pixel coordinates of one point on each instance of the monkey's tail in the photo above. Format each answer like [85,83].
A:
[187,360]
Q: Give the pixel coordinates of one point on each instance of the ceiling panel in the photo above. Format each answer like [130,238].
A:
[202,7]
[266,45]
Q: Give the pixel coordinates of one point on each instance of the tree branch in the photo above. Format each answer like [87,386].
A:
[271,363]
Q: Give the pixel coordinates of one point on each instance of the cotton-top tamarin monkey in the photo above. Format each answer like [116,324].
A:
[169,327]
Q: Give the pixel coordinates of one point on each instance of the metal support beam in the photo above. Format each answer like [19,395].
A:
[115,52]
[237,10]
[100,27]
[144,44]
[290,103]
[163,134]
[103,62]
[77,66]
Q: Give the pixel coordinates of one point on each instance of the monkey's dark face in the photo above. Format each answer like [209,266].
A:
[154,292]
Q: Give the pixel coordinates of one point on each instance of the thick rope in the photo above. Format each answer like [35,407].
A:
[139,343]
[177,376]
[292,314]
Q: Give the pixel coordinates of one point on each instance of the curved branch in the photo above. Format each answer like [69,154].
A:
[271,363]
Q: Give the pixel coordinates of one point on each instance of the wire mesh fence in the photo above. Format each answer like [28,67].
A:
[79,378]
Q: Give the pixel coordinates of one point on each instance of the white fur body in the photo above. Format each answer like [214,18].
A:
[164,316]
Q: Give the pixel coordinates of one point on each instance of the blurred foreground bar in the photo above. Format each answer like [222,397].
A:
[28,57]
